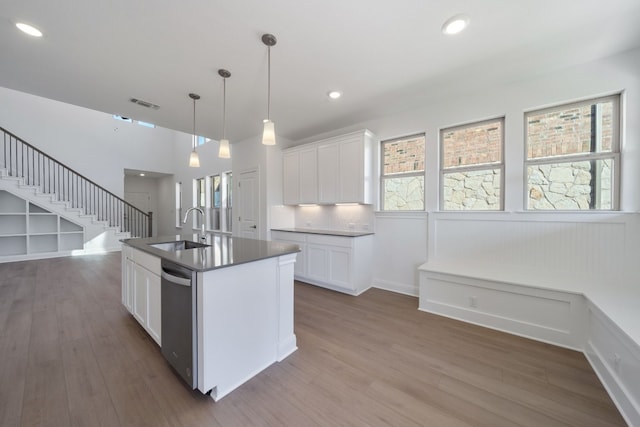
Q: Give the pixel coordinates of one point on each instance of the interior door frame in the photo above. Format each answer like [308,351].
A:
[237,180]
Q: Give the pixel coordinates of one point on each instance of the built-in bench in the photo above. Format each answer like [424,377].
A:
[566,281]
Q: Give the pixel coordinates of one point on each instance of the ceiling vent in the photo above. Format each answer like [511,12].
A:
[145,104]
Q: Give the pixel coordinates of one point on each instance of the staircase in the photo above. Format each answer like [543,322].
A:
[38,191]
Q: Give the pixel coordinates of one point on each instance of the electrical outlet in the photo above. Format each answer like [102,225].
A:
[352,226]
[365,226]
[308,223]
[473,302]
[616,362]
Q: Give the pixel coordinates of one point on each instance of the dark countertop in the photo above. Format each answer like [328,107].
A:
[325,232]
[225,250]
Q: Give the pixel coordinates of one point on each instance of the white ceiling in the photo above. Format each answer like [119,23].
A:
[385,56]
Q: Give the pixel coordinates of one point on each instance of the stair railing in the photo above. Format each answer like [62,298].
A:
[22,160]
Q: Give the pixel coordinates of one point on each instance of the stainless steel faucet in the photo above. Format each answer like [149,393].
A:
[203,236]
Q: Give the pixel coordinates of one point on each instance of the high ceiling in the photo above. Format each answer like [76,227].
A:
[385,56]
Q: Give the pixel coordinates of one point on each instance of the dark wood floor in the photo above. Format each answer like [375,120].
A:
[71,355]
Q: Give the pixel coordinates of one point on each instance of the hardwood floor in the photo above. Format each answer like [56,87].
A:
[71,355]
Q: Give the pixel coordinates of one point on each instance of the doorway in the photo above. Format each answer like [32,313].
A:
[248,204]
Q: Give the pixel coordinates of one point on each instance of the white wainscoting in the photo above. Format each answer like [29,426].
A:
[616,360]
[581,244]
[549,316]
[400,248]
[569,279]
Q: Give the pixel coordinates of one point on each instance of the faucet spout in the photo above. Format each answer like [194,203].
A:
[203,236]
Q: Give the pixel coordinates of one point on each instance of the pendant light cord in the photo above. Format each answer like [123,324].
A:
[195,138]
[224,108]
[268,82]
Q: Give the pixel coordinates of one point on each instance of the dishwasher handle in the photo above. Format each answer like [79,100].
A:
[175,279]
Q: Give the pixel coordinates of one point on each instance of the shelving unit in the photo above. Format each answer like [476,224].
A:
[26,228]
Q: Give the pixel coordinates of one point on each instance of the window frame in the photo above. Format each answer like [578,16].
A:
[178,203]
[614,154]
[422,173]
[470,168]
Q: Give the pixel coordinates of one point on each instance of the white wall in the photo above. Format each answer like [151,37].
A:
[616,74]
[251,154]
[210,164]
[150,187]
[100,147]
[90,142]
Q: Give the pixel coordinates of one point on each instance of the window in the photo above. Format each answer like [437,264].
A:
[202,139]
[214,211]
[472,168]
[402,178]
[220,211]
[201,193]
[573,156]
[178,204]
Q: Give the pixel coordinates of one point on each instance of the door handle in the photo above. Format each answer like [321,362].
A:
[253,226]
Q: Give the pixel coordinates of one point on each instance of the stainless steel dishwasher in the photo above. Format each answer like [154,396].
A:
[179,321]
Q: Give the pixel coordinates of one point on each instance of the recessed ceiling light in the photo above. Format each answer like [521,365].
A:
[455,24]
[141,174]
[28,29]
[334,94]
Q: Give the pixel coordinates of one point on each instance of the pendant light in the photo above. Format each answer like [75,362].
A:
[269,134]
[224,152]
[194,159]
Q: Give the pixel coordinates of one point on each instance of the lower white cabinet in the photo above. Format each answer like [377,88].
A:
[335,262]
[141,289]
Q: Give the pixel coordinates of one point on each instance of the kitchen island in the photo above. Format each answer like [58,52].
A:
[242,302]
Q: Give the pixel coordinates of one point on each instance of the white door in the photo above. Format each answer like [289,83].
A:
[248,196]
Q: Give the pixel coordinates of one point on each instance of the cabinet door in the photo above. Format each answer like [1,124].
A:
[317,262]
[340,268]
[291,178]
[127,284]
[125,278]
[300,267]
[140,292]
[351,173]
[309,176]
[154,320]
[328,158]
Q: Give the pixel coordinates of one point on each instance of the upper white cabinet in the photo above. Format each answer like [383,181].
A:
[328,155]
[300,176]
[333,170]
[309,175]
[291,177]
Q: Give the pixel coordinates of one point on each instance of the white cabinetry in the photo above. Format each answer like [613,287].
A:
[291,177]
[328,155]
[336,262]
[309,175]
[300,267]
[333,170]
[300,176]
[141,290]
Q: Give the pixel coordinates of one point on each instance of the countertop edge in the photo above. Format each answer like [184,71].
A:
[338,233]
[266,250]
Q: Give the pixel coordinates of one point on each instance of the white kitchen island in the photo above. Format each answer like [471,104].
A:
[244,303]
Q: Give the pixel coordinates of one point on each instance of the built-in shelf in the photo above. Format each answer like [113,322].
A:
[43,243]
[11,204]
[13,245]
[26,228]
[13,224]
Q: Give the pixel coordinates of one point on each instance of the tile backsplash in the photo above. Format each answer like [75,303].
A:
[349,217]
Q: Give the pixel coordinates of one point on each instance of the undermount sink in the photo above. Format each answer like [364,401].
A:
[179,245]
